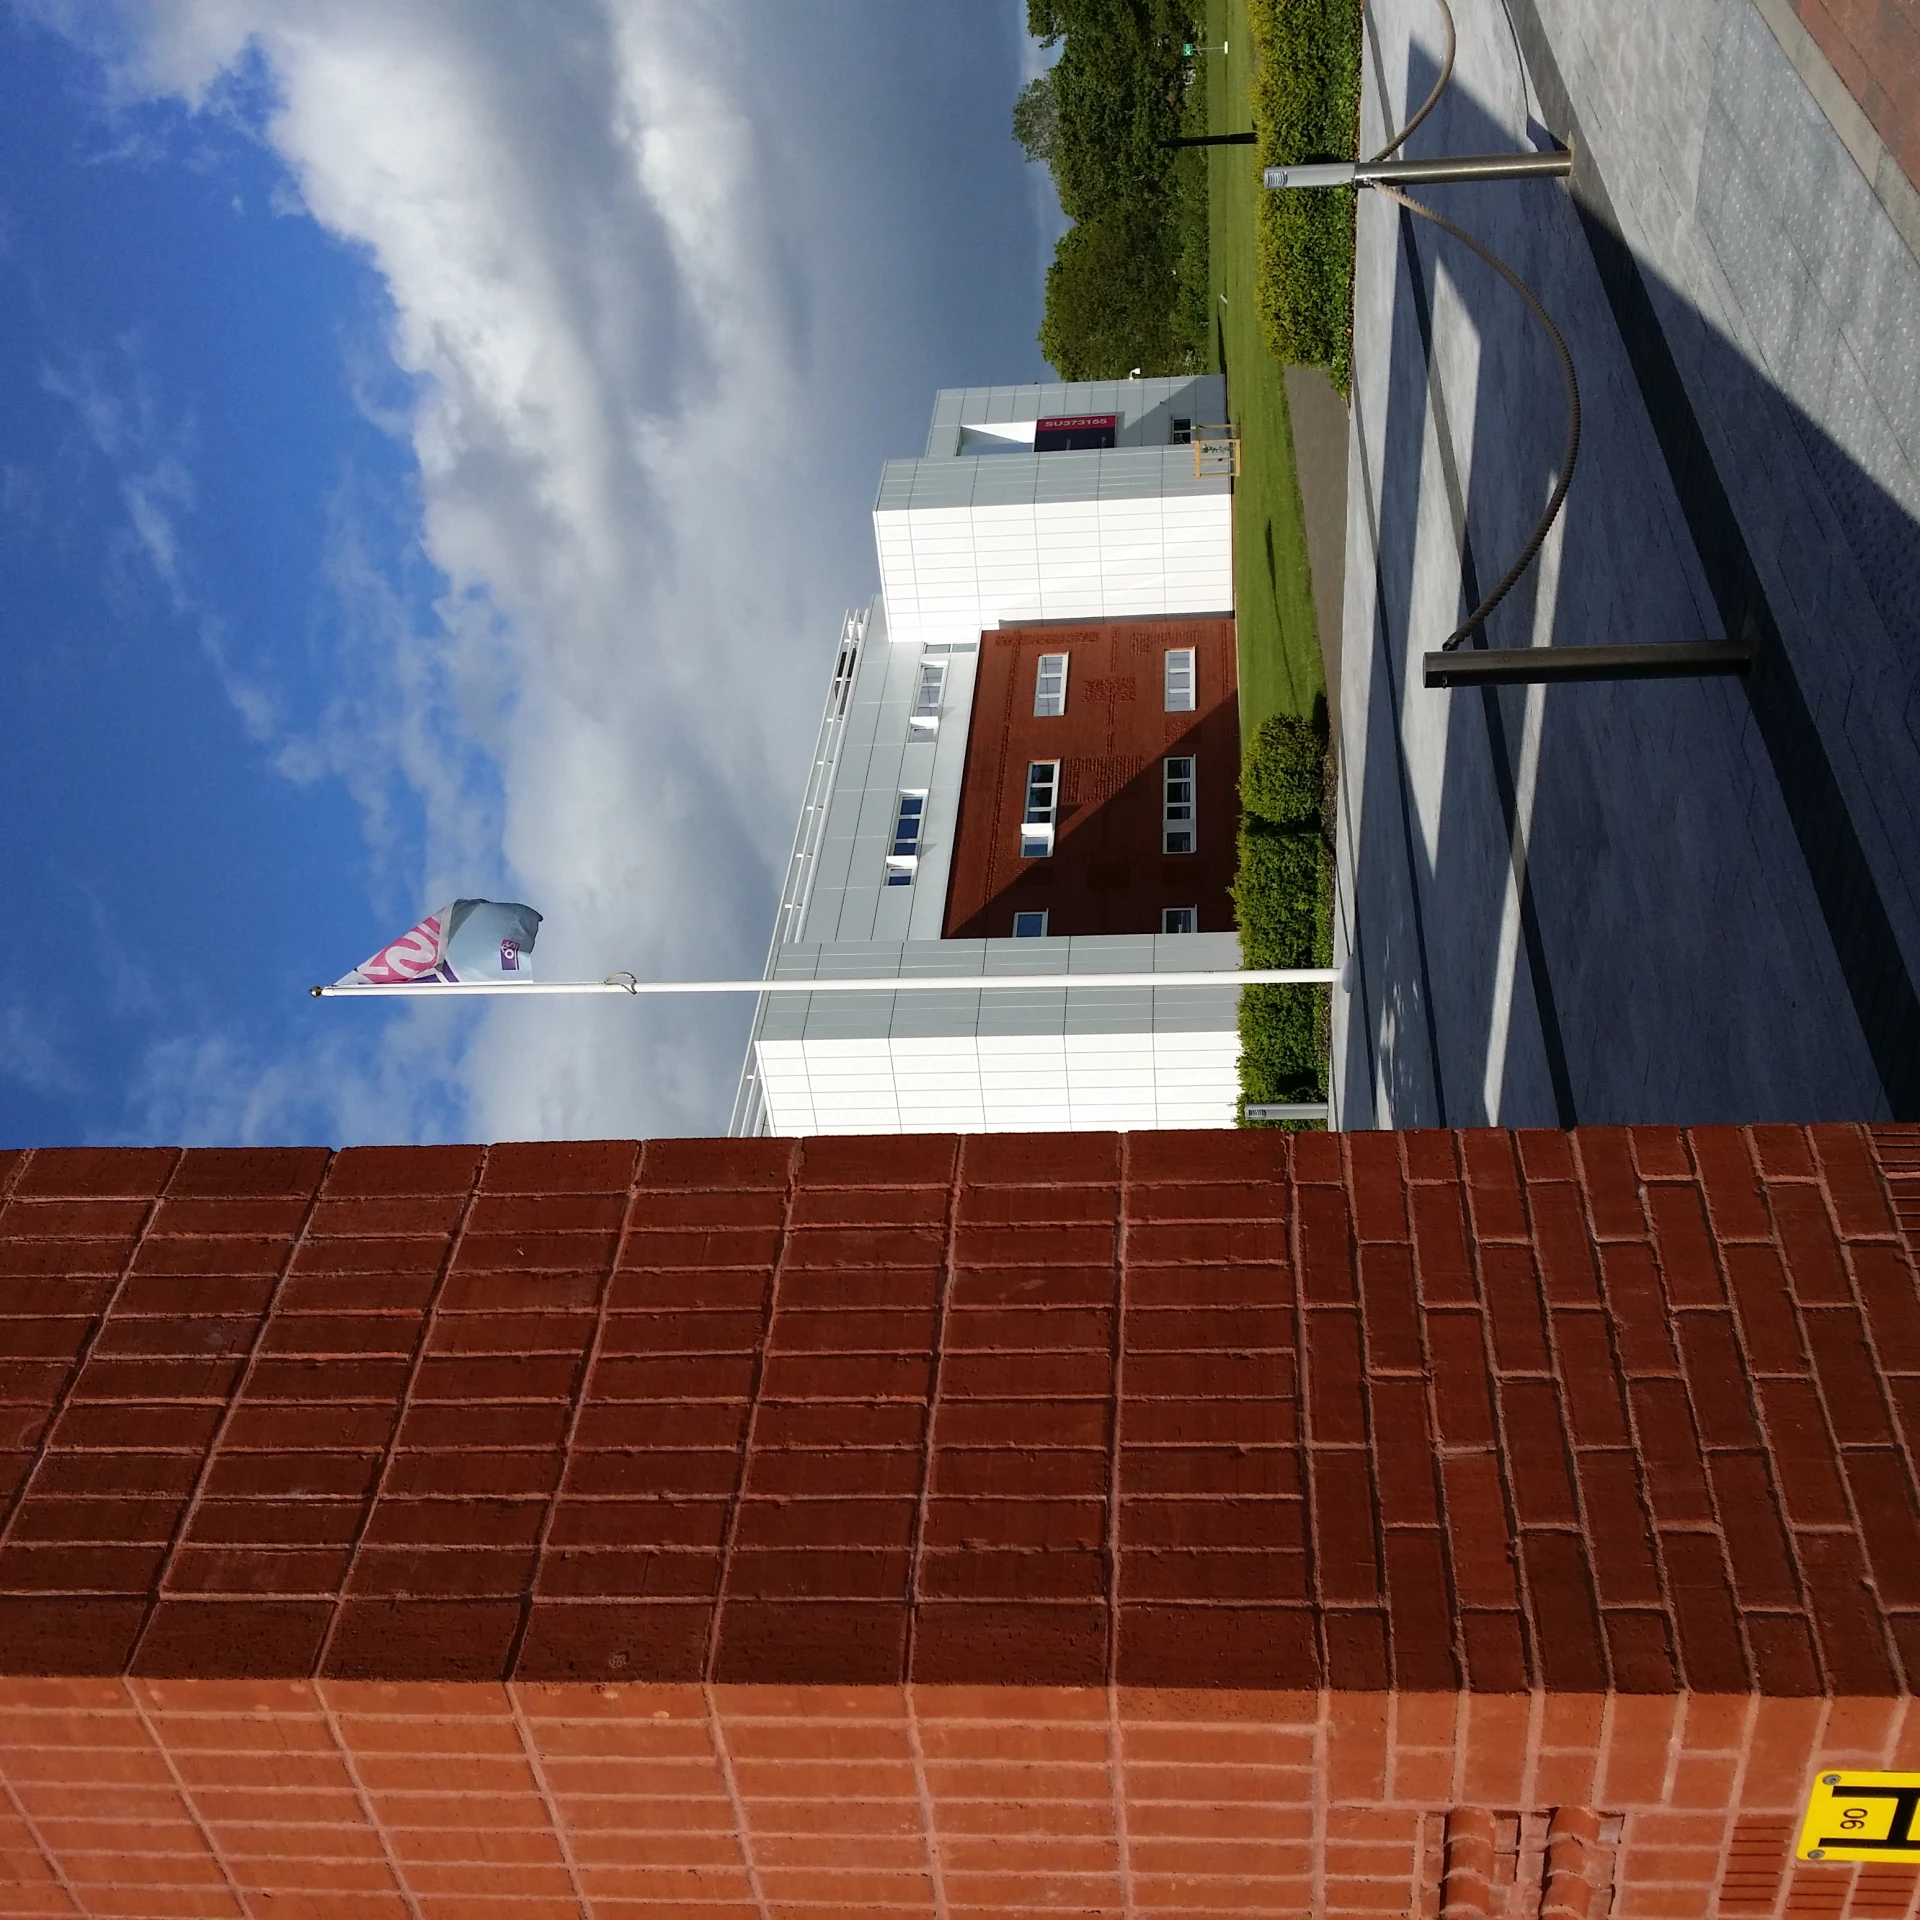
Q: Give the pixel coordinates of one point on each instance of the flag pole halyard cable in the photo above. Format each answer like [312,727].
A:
[626,983]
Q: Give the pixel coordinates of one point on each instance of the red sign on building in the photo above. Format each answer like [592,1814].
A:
[1074,432]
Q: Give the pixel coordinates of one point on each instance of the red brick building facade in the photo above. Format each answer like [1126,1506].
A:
[1108,871]
[1168,1523]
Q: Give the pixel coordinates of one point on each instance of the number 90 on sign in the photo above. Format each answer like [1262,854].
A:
[1862,1816]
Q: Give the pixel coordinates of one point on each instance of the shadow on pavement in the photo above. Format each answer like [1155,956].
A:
[1680,901]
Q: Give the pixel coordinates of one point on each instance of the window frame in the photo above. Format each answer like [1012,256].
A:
[1030,933]
[1174,822]
[925,713]
[1191,703]
[1042,710]
[903,849]
[1039,817]
[1192,918]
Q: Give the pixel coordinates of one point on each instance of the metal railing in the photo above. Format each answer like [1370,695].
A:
[803,863]
[1529,665]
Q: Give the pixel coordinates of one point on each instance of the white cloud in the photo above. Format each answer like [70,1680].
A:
[370,1081]
[29,1053]
[581,212]
[152,461]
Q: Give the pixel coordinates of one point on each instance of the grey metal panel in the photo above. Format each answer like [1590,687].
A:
[1117,1010]
[896,484]
[1010,479]
[1145,408]
[1108,1010]
[943,433]
[945,483]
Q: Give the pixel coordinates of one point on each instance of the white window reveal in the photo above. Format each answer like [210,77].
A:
[1043,803]
[1180,680]
[1050,686]
[1179,919]
[1177,819]
[903,854]
[1030,926]
[927,692]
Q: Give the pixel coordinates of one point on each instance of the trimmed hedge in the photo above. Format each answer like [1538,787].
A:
[1276,892]
[1280,778]
[1282,898]
[1306,106]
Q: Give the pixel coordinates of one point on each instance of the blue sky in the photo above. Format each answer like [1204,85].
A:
[440,447]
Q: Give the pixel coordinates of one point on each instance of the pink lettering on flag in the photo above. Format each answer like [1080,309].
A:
[412,957]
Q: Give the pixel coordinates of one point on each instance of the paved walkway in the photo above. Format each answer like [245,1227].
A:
[1656,901]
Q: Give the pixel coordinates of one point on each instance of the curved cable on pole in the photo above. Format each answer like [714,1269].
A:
[1537,538]
[1433,99]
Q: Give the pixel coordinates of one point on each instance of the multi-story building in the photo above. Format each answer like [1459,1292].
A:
[1028,763]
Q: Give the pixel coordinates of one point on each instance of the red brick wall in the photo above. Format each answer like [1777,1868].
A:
[1155,1524]
[349,1800]
[1107,873]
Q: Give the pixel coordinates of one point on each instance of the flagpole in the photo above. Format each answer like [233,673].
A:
[907,983]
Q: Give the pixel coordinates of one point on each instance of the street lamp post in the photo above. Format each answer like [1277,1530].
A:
[1452,170]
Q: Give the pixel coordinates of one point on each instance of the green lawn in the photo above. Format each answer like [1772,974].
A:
[1280,667]
[1279,638]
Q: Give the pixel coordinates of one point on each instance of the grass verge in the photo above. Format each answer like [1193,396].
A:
[1283,892]
[1279,641]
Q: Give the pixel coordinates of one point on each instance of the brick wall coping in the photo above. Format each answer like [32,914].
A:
[1626,1412]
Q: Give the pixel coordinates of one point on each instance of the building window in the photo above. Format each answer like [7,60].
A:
[927,691]
[1180,680]
[1043,800]
[1030,926]
[1182,435]
[903,856]
[1176,835]
[1179,919]
[1050,686]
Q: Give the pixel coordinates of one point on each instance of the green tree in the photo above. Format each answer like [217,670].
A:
[1128,285]
[1035,118]
[1110,299]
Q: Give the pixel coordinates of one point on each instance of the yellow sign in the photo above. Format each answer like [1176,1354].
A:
[1862,1816]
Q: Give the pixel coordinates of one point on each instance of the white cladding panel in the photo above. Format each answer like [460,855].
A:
[999,1083]
[952,572]
[967,1061]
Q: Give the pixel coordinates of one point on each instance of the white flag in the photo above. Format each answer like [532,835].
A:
[488,940]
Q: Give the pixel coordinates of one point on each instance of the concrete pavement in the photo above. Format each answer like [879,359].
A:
[1671,900]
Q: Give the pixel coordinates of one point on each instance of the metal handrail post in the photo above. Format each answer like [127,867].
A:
[1536,666]
[1452,169]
